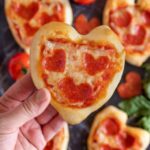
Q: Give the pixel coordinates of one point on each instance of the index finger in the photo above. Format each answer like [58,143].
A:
[18,92]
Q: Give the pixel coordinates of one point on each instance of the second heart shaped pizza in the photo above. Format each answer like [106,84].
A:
[110,132]
[80,71]
[25,17]
[131,21]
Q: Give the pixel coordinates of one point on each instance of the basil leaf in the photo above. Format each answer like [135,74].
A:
[134,105]
[144,122]
[146,87]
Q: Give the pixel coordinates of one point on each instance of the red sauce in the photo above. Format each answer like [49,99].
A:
[125,140]
[107,147]
[30,31]
[121,18]
[75,93]
[93,66]
[137,38]
[110,126]
[56,62]
[146,15]
[25,12]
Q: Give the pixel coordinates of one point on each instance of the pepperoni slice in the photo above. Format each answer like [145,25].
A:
[84,26]
[121,18]
[136,38]
[57,15]
[56,62]
[110,126]
[132,87]
[107,147]
[45,18]
[146,15]
[125,140]
[26,12]
[93,66]
[30,31]
[76,93]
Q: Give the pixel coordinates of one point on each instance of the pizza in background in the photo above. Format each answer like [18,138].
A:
[60,140]
[25,17]
[110,132]
[131,21]
[80,71]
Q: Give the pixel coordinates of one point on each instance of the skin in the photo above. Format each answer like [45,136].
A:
[27,121]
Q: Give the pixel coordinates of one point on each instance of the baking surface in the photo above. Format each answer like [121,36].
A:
[8,47]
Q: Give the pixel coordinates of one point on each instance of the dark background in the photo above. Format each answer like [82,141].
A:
[8,47]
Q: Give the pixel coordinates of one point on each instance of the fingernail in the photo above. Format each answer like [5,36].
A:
[42,96]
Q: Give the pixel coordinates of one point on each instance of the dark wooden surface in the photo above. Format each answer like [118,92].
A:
[8,47]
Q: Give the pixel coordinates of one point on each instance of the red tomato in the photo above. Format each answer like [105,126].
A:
[84,2]
[18,65]
[132,87]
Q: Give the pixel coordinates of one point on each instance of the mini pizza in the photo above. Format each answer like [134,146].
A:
[25,17]
[131,21]
[80,71]
[110,132]
[60,140]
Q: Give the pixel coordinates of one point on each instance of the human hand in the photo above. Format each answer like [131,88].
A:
[19,129]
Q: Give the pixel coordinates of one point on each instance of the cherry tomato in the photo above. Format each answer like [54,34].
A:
[84,2]
[18,65]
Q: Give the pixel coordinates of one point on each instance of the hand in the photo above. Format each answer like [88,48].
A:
[19,129]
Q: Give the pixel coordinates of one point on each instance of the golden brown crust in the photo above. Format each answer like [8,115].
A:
[133,58]
[68,19]
[100,34]
[111,111]
[63,137]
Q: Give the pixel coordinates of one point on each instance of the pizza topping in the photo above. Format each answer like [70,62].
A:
[94,66]
[132,87]
[75,93]
[107,147]
[26,12]
[18,65]
[84,26]
[83,75]
[56,62]
[110,126]
[146,15]
[30,31]
[125,140]
[84,2]
[136,38]
[121,18]
[57,16]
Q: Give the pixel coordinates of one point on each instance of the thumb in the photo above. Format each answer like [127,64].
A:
[29,109]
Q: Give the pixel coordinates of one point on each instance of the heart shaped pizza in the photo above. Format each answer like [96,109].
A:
[131,21]
[110,132]
[60,140]
[25,17]
[80,71]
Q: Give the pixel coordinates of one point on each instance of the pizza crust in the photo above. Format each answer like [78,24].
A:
[99,34]
[111,111]
[65,138]
[136,59]
[68,19]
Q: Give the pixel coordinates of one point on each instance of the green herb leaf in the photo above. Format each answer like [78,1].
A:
[144,122]
[135,105]
[146,87]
